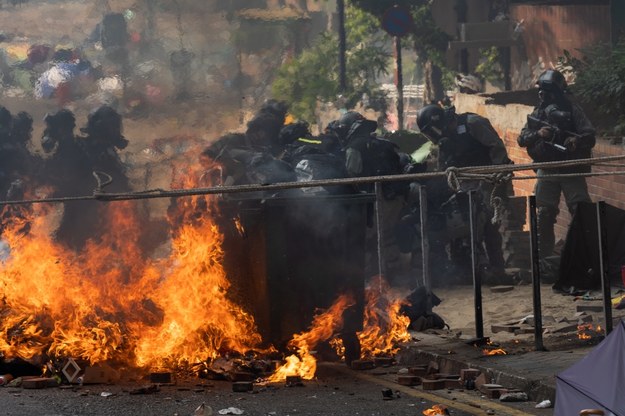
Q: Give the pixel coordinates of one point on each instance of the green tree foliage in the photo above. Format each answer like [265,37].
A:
[489,67]
[314,75]
[600,78]
[430,42]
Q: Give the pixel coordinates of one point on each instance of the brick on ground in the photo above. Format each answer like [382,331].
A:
[39,383]
[408,380]
[504,328]
[480,380]
[501,289]
[564,327]
[383,361]
[362,365]
[102,374]
[589,308]
[446,376]
[469,374]
[242,376]
[242,386]
[525,329]
[430,384]
[492,393]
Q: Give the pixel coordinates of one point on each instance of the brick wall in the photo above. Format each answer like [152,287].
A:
[509,119]
[550,29]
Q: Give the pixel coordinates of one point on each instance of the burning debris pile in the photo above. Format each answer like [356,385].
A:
[111,306]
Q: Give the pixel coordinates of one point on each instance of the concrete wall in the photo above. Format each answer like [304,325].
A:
[509,119]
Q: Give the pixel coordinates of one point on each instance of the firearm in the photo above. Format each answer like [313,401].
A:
[557,139]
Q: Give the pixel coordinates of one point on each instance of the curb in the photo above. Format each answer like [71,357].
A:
[537,388]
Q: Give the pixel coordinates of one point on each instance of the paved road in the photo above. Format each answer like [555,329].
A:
[336,391]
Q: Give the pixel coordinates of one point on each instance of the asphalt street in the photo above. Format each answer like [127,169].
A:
[337,390]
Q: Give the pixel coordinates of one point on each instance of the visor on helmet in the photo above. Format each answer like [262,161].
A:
[433,133]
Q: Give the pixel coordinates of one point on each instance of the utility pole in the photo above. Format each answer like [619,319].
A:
[399,83]
[398,22]
[461,11]
[340,8]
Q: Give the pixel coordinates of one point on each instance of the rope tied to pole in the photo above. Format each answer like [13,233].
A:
[452,178]
[499,180]
[102,179]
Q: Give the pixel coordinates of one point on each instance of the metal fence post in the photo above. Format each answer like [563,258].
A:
[477,279]
[535,259]
[425,243]
[602,235]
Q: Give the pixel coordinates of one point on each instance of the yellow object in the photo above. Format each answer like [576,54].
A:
[422,153]
[617,300]
[311,141]
[289,119]
[17,51]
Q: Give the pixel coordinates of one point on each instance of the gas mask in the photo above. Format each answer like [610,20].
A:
[546,96]
[434,134]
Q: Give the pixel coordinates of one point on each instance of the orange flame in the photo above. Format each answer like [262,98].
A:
[588,331]
[436,410]
[111,303]
[494,351]
[384,327]
[324,326]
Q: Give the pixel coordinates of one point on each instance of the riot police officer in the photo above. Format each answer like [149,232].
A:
[367,155]
[557,129]
[470,140]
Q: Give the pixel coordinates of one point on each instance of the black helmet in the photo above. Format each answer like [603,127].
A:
[59,127]
[432,121]
[353,120]
[278,108]
[106,124]
[350,117]
[63,117]
[291,132]
[553,81]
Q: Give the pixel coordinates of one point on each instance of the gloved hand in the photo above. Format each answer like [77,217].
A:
[545,132]
[444,144]
[571,143]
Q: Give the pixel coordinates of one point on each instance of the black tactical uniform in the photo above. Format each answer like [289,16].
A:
[21,165]
[18,167]
[104,139]
[314,158]
[557,130]
[368,155]
[69,173]
[470,140]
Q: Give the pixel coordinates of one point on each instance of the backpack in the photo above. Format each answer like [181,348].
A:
[383,159]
